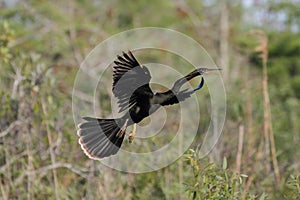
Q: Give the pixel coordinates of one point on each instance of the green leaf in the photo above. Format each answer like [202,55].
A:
[224,163]
[263,196]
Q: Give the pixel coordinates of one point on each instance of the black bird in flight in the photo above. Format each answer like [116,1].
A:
[100,138]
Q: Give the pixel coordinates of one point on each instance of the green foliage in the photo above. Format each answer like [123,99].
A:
[296,86]
[212,182]
[6,36]
[9,109]
[292,188]
[291,10]
[42,44]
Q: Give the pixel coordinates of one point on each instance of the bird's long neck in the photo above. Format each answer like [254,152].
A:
[177,85]
[161,97]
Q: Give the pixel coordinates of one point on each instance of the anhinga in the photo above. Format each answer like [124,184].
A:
[100,138]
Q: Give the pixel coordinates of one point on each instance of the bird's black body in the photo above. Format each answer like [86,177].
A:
[140,110]
[103,137]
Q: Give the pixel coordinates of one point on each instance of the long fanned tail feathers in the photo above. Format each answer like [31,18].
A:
[100,138]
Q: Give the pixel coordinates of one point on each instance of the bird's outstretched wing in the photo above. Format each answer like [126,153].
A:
[128,76]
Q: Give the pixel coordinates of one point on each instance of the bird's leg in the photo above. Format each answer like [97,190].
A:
[200,85]
[123,129]
[132,134]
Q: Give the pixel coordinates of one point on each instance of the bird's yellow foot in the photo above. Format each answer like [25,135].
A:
[132,134]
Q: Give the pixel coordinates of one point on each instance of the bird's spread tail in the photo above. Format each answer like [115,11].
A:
[100,138]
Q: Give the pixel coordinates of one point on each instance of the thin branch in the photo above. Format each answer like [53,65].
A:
[44,170]
[18,79]
[262,48]
[52,154]
[273,151]
[10,128]
[240,149]
[83,96]
[3,192]
[14,159]
[224,34]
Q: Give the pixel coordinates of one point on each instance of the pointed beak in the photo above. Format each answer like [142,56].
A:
[211,71]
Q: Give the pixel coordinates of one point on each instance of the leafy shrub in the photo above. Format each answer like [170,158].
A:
[212,182]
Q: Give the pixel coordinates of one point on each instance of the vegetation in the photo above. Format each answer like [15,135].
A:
[257,43]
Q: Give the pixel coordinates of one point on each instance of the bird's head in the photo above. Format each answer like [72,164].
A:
[207,71]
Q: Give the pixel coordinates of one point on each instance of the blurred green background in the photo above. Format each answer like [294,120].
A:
[256,42]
